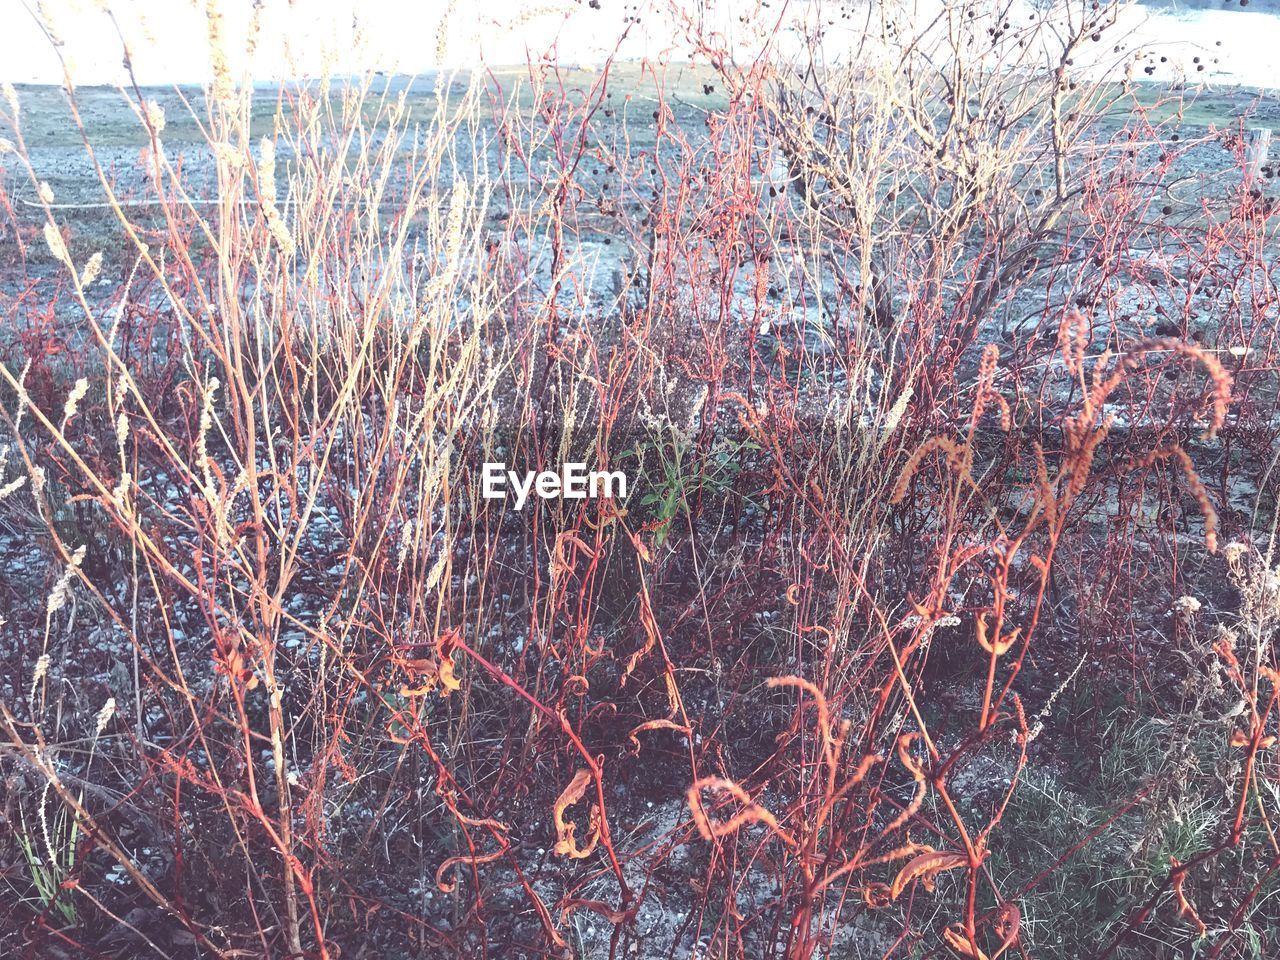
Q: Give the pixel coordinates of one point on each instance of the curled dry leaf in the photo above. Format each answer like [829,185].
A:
[654,725]
[751,811]
[877,895]
[1008,925]
[1241,739]
[819,700]
[564,560]
[236,667]
[959,941]
[999,646]
[1185,907]
[448,680]
[917,773]
[451,801]
[673,693]
[448,886]
[566,843]
[445,646]
[651,635]
[642,551]
[426,673]
[925,867]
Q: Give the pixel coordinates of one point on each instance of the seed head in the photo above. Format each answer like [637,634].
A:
[104,716]
[53,240]
[73,400]
[41,671]
[12,486]
[58,596]
[91,269]
[155,116]
[1188,606]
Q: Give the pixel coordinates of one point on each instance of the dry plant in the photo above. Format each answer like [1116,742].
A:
[927,408]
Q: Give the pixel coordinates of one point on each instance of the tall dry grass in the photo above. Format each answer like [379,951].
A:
[921,412]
